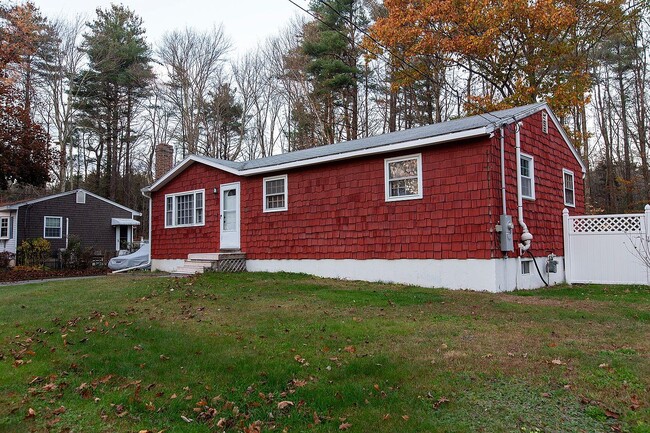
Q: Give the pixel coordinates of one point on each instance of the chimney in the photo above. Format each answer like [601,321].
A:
[164,159]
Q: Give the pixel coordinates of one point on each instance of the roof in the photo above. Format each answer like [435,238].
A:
[16,205]
[444,132]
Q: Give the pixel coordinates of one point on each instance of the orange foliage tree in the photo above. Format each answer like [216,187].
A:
[520,51]
[23,143]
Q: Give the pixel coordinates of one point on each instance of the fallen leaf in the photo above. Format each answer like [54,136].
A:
[31,413]
[386,417]
[285,404]
[59,411]
[186,419]
[350,349]
[405,417]
[345,426]
[557,362]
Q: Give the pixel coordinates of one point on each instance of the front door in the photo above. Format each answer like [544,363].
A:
[230,219]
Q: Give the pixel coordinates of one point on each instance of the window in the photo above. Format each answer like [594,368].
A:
[525,267]
[403,178]
[4,227]
[544,122]
[53,227]
[275,194]
[527,177]
[569,188]
[81,197]
[185,209]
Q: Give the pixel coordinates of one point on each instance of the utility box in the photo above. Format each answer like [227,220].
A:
[551,264]
[507,243]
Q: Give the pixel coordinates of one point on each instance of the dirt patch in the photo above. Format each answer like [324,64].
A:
[15,275]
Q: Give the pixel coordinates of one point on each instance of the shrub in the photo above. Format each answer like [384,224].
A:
[34,252]
[5,259]
[76,256]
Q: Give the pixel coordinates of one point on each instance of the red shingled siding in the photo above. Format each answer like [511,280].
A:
[338,210]
[543,216]
[177,243]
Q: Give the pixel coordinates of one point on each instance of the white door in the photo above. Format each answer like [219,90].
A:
[230,220]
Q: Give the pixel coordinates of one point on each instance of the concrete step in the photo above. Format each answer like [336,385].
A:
[203,257]
[191,267]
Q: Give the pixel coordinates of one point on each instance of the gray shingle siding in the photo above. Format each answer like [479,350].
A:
[91,221]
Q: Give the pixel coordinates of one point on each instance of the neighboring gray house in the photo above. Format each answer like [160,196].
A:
[102,224]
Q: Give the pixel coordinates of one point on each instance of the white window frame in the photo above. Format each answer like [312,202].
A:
[174,209]
[286,193]
[45,218]
[573,187]
[531,177]
[387,180]
[81,197]
[544,122]
[526,267]
[5,220]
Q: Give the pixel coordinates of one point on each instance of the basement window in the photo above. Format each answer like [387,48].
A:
[275,194]
[184,209]
[53,227]
[527,177]
[4,227]
[403,177]
[569,188]
[525,267]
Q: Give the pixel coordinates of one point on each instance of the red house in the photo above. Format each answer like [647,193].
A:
[460,204]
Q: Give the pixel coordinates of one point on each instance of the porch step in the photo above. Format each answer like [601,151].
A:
[224,261]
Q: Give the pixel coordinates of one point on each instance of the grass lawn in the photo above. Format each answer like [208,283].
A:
[260,352]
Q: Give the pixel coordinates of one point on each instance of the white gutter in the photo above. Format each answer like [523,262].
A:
[503,172]
[526,236]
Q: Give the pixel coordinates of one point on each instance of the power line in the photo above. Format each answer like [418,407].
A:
[423,75]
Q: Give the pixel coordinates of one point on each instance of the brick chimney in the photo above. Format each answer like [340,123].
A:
[164,159]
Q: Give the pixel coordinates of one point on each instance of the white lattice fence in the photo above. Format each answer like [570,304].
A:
[607,249]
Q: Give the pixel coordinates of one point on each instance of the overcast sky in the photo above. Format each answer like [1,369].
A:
[245,21]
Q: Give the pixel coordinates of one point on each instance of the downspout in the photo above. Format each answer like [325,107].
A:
[148,195]
[526,236]
[503,172]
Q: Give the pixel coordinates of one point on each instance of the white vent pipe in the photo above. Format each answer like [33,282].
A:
[526,236]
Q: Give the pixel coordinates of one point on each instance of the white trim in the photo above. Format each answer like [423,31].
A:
[8,219]
[230,239]
[470,133]
[387,162]
[81,196]
[566,138]
[174,210]
[286,193]
[60,227]
[531,168]
[63,194]
[573,187]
